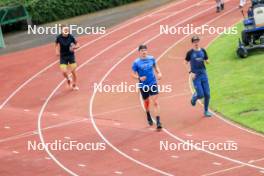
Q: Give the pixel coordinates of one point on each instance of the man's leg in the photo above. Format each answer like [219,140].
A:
[199,93]
[218,5]
[242,3]
[154,99]
[222,4]
[145,96]
[206,89]
[64,71]
[74,76]
[146,105]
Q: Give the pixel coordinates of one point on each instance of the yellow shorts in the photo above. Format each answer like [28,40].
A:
[65,66]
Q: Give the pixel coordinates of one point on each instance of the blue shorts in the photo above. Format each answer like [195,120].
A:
[147,91]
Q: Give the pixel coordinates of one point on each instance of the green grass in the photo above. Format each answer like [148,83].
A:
[237,85]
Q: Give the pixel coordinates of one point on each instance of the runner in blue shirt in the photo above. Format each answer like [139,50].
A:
[143,70]
[197,57]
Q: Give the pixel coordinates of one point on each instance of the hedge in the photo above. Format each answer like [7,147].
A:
[43,11]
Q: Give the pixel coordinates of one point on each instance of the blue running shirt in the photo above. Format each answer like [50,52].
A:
[144,67]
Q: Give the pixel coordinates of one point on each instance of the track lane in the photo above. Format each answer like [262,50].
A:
[46,51]
[59,85]
[35,99]
[167,69]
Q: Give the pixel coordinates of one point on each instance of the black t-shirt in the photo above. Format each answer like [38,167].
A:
[65,44]
[196,59]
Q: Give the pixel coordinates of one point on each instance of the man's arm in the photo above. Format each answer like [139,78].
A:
[57,49]
[206,59]
[188,57]
[57,46]
[77,45]
[187,60]
[158,72]
[136,76]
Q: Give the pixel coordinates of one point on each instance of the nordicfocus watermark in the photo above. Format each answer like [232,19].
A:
[58,145]
[124,87]
[57,29]
[190,145]
[190,29]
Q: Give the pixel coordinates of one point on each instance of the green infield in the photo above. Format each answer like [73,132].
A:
[237,85]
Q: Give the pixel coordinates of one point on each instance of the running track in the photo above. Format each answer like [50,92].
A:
[36,105]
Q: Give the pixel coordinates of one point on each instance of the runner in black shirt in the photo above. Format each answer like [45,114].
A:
[65,47]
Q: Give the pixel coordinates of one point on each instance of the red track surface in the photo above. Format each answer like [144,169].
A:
[43,108]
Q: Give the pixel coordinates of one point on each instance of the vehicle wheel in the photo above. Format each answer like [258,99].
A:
[242,52]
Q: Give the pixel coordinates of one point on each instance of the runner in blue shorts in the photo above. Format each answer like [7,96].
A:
[197,57]
[143,70]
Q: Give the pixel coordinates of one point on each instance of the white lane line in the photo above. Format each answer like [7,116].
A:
[251,161]
[106,75]
[223,170]
[188,135]
[135,149]
[117,110]
[55,114]
[174,156]
[25,110]
[230,141]
[138,106]
[232,168]
[225,119]
[118,172]
[217,163]
[98,131]
[15,152]
[257,160]
[32,133]
[187,143]
[219,116]
[7,127]
[71,122]
[83,46]
[212,153]
[81,165]
[117,124]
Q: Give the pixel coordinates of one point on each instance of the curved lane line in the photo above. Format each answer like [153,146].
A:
[185,142]
[60,84]
[83,46]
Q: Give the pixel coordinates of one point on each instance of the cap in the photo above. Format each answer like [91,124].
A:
[195,38]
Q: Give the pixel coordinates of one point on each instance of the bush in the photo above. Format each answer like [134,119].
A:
[51,10]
